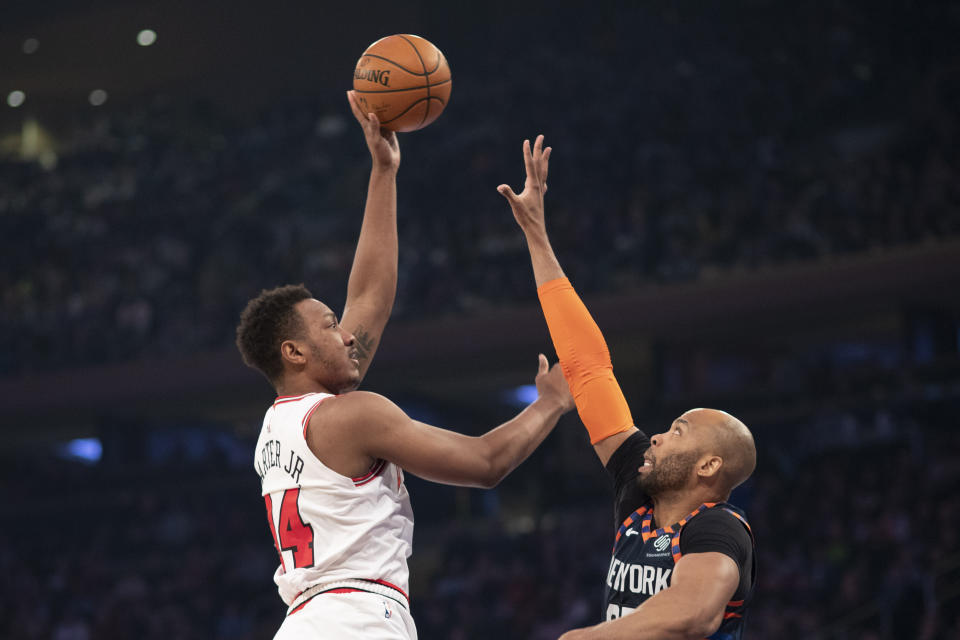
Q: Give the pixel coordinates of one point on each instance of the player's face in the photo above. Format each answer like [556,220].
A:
[333,357]
[669,464]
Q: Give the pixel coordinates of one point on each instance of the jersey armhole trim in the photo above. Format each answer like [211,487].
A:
[309,414]
[374,471]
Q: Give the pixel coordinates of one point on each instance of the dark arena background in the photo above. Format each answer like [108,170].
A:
[759,201]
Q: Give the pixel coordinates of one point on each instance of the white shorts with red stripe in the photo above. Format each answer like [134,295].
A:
[343,614]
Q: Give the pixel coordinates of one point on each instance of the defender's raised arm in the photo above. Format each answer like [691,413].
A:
[579,343]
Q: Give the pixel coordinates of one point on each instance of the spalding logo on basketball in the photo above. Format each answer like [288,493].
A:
[403,79]
[661,543]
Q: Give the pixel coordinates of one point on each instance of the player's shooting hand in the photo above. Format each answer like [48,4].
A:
[528,206]
[552,386]
[383,144]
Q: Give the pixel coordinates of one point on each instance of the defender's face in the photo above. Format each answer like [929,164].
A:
[670,462]
[332,357]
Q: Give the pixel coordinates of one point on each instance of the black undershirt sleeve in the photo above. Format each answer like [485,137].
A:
[622,467]
[717,530]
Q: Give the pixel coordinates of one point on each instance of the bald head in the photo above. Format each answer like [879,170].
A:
[725,436]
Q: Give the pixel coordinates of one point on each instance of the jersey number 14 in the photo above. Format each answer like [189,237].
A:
[291,533]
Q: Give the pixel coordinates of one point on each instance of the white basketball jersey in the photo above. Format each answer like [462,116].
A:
[328,527]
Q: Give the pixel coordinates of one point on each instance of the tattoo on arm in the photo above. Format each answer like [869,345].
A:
[365,342]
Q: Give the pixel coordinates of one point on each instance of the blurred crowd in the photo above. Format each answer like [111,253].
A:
[688,140]
[857,539]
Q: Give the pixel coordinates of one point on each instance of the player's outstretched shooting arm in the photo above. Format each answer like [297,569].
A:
[373,278]
[693,606]
[369,424]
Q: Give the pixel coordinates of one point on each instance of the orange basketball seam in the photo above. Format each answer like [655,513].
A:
[437,67]
[417,88]
[399,66]
[416,51]
[426,74]
[412,105]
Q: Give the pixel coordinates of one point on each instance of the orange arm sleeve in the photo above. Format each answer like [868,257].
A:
[585,361]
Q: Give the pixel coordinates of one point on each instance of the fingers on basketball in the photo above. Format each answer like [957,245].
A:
[352,99]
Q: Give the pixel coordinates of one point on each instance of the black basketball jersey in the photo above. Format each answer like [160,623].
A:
[643,562]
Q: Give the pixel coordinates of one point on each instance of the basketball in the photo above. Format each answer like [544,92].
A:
[403,79]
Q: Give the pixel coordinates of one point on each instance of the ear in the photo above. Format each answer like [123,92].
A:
[290,352]
[709,466]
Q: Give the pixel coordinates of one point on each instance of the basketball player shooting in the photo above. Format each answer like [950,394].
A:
[331,459]
[683,562]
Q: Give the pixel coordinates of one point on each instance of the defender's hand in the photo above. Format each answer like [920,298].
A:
[552,386]
[528,206]
[383,144]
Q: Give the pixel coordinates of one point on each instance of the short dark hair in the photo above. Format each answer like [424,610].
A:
[265,323]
